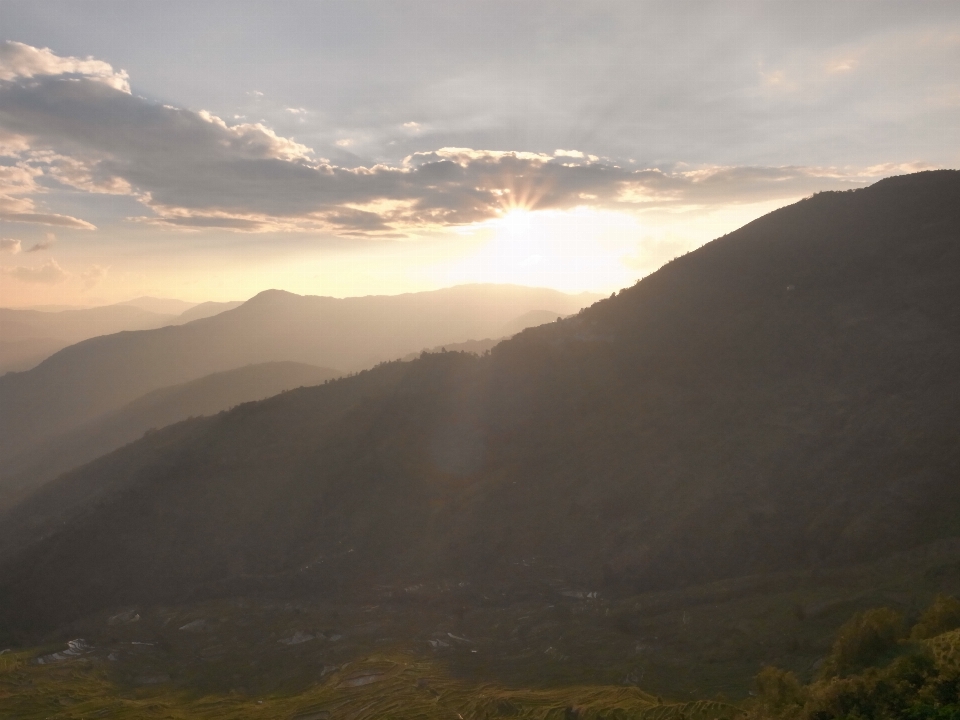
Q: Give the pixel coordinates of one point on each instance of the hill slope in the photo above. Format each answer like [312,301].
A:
[782,398]
[206,309]
[90,378]
[29,336]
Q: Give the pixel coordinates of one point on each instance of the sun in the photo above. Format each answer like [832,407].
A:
[572,250]
[518,222]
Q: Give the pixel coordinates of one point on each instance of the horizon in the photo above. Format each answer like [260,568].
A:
[148,153]
[127,301]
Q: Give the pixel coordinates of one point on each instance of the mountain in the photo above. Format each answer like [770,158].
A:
[205,396]
[530,319]
[782,399]
[479,347]
[25,351]
[475,347]
[27,337]
[98,375]
[206,309]
[161,306]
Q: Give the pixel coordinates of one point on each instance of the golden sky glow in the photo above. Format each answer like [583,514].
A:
[148,153]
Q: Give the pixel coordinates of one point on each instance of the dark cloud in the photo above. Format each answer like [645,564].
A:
[82,128]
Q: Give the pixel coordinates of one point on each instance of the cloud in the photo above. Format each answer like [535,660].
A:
[90,278]
[43,245]
[193,170]
[20,209]
[12,144]
[50,273]
[23,61]
[9,245]
[17,182]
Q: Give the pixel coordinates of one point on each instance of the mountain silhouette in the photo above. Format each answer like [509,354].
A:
[782,398]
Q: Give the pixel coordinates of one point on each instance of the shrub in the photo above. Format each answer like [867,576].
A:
[942,616]
[779,689]
[866,639]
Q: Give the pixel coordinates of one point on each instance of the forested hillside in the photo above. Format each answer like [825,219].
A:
[781,399]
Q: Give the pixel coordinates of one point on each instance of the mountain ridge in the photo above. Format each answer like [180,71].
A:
[98,374]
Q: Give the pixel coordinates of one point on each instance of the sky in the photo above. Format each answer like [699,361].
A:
[208,151]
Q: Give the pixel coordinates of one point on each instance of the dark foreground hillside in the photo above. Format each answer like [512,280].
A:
[783,399]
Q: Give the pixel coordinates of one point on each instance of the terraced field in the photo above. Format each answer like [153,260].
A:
[380,686]
[447,651]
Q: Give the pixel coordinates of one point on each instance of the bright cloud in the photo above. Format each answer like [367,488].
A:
[23,61]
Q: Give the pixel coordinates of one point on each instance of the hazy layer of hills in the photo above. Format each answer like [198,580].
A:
[206,309]
[205,396]
[781,399]
[100,374]
[28,336]
[161,306]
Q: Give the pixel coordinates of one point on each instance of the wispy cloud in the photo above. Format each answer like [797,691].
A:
[50,273]
[40,246]
[19,183]
[91,278]
[9,245]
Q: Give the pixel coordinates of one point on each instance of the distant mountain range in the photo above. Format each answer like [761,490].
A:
[161,306]
[783,398]
[29,336]
[206,309]
[98,375]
